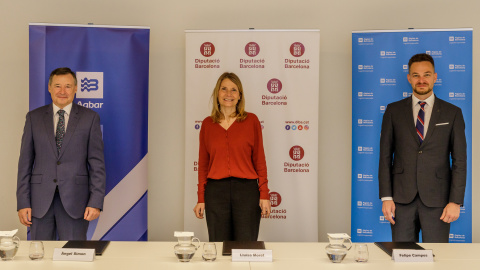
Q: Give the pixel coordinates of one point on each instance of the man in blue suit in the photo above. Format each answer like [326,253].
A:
[61,169]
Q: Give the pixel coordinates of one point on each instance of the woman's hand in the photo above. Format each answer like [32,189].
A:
[199,210]
[266,208]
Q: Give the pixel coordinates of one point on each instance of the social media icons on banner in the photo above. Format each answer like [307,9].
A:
[297,125]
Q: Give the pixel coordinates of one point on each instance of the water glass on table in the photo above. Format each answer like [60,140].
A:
[209,252]
[36,250]
[361,252]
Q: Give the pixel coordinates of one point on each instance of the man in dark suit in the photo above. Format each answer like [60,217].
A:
[419,187]
[61,169]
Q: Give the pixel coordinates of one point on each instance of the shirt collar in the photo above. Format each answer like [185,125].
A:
[67,109]
[430,100]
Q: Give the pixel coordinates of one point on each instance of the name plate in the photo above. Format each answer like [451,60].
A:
[412,255]
[252,255]
[74,254]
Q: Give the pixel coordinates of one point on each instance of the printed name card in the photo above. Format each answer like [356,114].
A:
[74,254]
[412,255]
[252,255]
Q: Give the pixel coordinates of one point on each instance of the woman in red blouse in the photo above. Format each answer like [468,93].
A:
[232,171]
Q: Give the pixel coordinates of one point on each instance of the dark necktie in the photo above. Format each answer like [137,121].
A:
[60,129]
[421,121]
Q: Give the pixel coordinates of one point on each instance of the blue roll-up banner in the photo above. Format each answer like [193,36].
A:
[112,66]
[379,77]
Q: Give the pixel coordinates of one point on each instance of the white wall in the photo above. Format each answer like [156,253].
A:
[168,20]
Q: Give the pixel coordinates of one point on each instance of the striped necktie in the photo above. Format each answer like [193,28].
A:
[421,121]
[60,130]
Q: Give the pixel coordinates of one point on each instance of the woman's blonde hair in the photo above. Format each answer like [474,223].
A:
[240,112]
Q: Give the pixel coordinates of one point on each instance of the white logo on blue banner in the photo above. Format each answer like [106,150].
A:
[452,52]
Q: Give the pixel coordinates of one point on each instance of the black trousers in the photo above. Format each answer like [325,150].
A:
[415,216]
[232,209]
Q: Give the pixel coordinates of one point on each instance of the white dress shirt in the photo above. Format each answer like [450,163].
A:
[428,111]
[67,110]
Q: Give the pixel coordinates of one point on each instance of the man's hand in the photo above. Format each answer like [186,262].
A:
[199,210]
[451,212]
[91,213]
[388,209]
[25,216]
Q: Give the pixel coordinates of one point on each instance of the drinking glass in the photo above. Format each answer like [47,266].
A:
[361,252]
[209,252]
[36,250]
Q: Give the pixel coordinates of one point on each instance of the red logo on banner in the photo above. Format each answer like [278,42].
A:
[274,86]
[275,199]
[207,49]
[252,49]
[297,49]
[296,153]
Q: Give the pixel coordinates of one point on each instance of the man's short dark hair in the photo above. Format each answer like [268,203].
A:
[62,71]
[421,57]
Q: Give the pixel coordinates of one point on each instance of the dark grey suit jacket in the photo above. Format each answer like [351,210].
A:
[79,168]
[407,168]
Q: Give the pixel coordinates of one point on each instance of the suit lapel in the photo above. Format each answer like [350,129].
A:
[436,111]
[49,129]
[72,124]
[408,112]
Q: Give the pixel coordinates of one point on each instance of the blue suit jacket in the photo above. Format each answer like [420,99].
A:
[78,170]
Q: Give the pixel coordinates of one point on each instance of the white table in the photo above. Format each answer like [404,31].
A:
[291,256]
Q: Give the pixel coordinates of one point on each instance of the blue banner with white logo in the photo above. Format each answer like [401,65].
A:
[112,66]
[379,77]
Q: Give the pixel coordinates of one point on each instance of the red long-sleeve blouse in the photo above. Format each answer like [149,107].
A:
[235,152]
